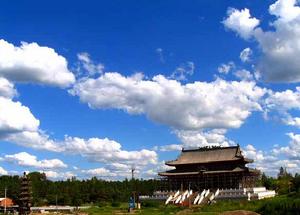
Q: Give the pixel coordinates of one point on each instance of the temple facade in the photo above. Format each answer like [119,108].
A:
[210,168]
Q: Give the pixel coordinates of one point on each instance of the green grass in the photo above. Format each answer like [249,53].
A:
[278,205]
[156,210]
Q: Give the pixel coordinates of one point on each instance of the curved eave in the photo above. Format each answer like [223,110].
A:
[248,160]
[177,173]
[176,163]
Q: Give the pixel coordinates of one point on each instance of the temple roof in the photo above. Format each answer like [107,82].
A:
[209,155]
[177,173]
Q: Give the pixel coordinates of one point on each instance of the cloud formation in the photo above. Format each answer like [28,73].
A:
[192,106]
[28,160]
[284,102]
[3,171]
[241,22]
[14,117]
[7,89]
[35,64]
[279,47]
[88,65]
[246,54]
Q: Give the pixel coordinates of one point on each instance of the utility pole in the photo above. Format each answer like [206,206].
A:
[5,190]
[56,203]
[132,173]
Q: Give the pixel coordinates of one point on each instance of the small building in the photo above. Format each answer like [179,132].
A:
[210,168]
[6,202]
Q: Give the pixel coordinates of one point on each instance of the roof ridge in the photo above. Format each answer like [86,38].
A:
[207,148]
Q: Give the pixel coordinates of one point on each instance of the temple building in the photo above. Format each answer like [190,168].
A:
[210,168]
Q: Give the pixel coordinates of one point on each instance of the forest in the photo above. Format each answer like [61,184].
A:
[96,191]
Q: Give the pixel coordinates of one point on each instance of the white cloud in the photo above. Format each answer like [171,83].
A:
[245,55]
[284,100]
[241,22]
[195,139]
[33,63]
[14,117]
[104,150]
[54,175]
[99,172]
[107,151]
[283,103]
[35,140]
[218,104]
[285,10]
[269,162]
[292,151]
[244,75]
[89,65]
[7,88]
[280,47]
[3,171]
[171,147]
[182,71]
[226,68]
[152,172]
[292,121]
[25,159]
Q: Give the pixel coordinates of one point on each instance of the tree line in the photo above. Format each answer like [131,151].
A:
[77,192]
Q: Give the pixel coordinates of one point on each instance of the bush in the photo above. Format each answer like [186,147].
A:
[115,204]
[150,204]
[102,204]
[281,206]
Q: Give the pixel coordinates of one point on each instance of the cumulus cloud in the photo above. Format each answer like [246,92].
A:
[107,151]
[279,62]
[241,22]
[195,139]
[3,171]
[225,68]
[285,10]
[7,88]
[245,55]
[104,150]
[25,159]
[99,172]
[279,47]
[283,102]
[87,64]
[244,74]
[218,104]
[34,139]
[182,71]
[54,175]
[33,63]
[292,151]
[269,162]
[14,117]
[170,147]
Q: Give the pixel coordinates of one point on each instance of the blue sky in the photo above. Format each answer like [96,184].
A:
[93,88]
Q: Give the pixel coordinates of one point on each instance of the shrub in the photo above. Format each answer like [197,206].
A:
[102,204]
[281,206]
[115,204]
[150,204]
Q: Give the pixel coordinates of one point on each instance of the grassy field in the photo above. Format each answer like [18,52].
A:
[276,206]
[122,209]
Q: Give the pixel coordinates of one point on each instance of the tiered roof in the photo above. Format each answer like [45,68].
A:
[209,155]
